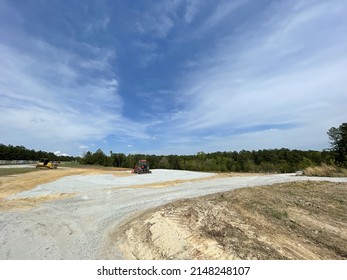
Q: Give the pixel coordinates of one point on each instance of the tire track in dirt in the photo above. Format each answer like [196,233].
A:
[85,226]
[302,220]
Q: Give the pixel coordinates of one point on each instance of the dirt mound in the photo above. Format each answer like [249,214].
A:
[301,220]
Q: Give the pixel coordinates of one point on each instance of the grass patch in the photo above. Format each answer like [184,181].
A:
[279,215]
[326,171]
[71,164]
[14,171]
[90,166]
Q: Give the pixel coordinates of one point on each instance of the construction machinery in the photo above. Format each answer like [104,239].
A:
[142,167]
[46,163]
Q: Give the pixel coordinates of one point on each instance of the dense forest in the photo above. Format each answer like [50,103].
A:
[274,160]
[21,153]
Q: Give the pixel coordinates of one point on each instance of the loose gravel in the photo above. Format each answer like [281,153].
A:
[79,227]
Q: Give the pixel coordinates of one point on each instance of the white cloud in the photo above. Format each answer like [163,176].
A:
[262,77]
[146,45]
[158,23]
[163,16]
[192,9]
[271,76]
[59,153]
[221,11]
[52,96]
[83,147]
[98,25]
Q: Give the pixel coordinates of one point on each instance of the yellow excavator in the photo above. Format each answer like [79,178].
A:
[46,163]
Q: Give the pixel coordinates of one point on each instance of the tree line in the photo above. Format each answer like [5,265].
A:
[274,160]
[10,152]
[270,160]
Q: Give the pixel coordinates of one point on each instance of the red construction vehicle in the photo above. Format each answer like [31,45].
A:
[142,167]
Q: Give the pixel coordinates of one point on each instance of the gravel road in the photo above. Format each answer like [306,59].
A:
[78,227]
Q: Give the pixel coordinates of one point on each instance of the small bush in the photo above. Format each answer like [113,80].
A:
[326,171]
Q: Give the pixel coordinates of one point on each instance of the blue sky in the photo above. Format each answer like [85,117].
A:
[171,77]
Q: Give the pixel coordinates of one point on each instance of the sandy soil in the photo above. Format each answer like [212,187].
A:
[13,184]
[301,220]
[89,214]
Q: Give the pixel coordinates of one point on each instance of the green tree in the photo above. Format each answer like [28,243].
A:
[338,141]
[99,158]
[164,163]
[87,158]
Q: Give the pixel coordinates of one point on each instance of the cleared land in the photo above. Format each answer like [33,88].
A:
[18,179]
[79,213]
[301,220]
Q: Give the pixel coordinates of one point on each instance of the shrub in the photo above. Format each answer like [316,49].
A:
[326,171]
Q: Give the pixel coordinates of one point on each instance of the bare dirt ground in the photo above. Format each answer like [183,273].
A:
[301,220]
[72,213]
[12,184]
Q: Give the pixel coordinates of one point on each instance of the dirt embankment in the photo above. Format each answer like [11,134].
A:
[301,220]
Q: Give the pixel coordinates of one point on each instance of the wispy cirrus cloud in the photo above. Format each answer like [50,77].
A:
[221,12]
[192,8]
[290,71]
[172,76]
[58,95]
[164,16]
[98,24]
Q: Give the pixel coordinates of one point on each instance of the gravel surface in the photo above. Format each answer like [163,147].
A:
[18,166]
[79,227]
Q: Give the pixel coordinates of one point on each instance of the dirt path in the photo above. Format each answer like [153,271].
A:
[76,214]
[302,220]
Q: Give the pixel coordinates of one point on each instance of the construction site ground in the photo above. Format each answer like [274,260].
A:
[92,213]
